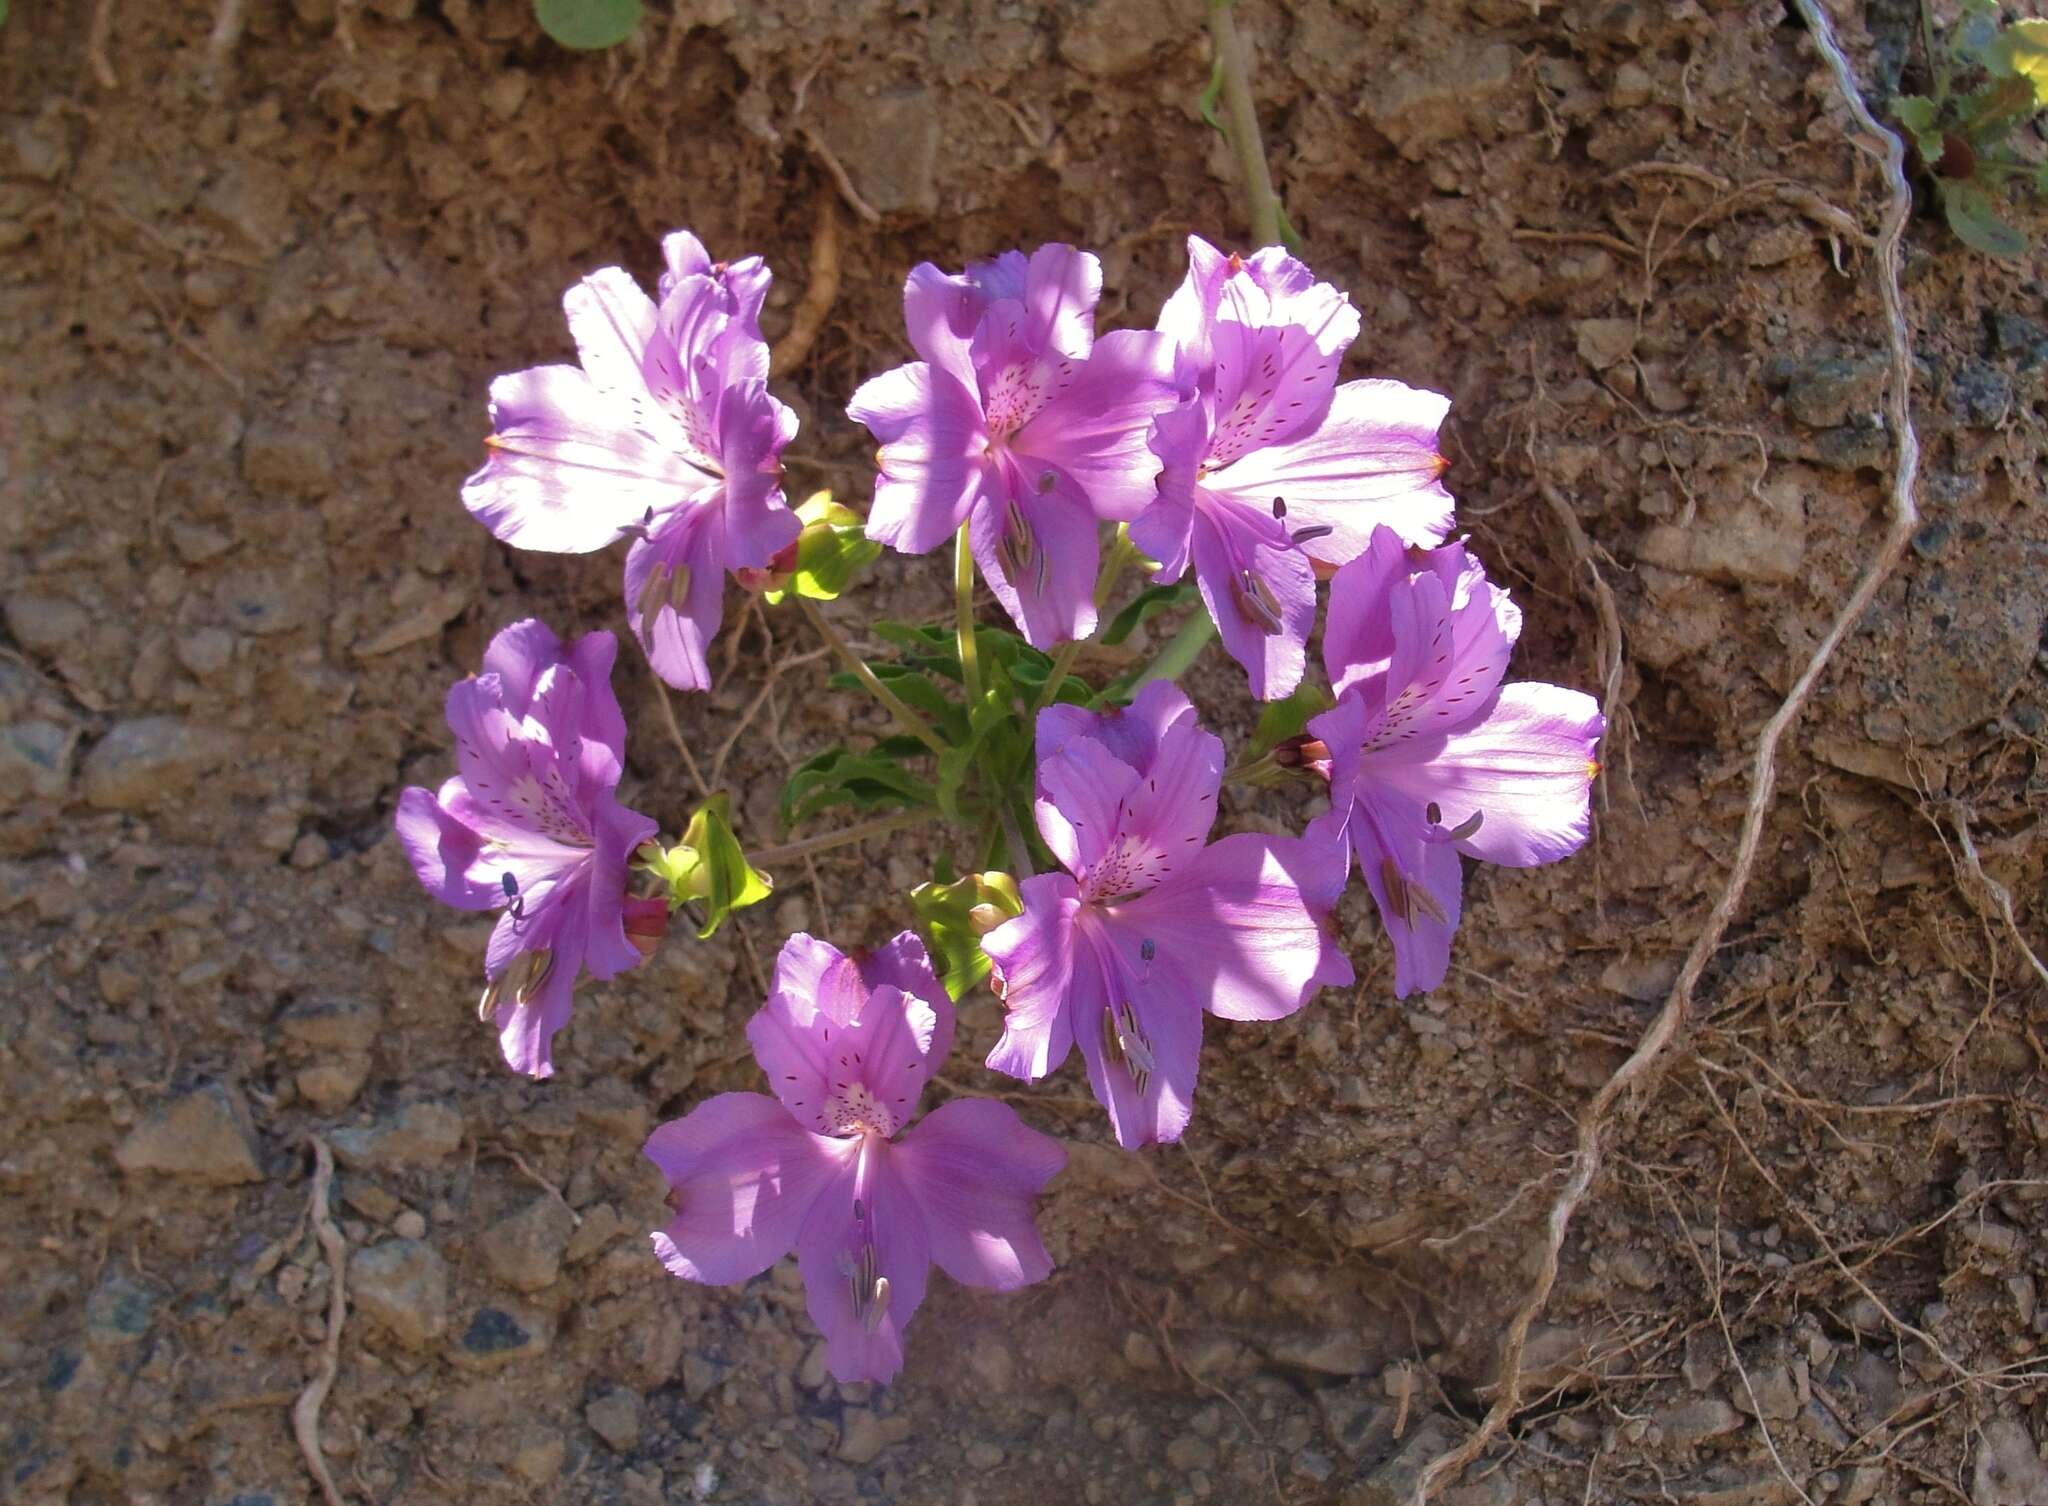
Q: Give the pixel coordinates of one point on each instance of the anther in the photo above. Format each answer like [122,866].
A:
[1310,534]
[1468,827]
[1123,1043]
[513,903]
[1255,602]
[1397,891]
[1279,507]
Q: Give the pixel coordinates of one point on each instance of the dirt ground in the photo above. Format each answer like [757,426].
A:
[255,283]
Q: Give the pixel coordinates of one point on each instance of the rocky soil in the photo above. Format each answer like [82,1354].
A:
[255,284]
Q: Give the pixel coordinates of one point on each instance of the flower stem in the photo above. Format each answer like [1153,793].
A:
[907,719]
[1061,663]
[963,597]
[880,826]
[1013,838]
[1181,650]
[1261,202]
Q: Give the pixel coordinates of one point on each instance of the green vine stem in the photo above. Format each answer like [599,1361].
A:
[907,719]
[880,826]
[963,597]
[1181,650]
[1261,201]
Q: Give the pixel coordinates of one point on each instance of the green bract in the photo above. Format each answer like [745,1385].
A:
[954,917]
[708,869]
[587,25]
[832,549]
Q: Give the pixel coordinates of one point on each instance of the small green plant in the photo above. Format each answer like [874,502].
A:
[588,25]
[1961,134]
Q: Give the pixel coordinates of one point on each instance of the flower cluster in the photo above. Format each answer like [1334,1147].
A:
[1220,440]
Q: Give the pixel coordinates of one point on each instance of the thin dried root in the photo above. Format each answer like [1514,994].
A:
[844,183]
[2000,895]
[1904,519]
[306,1410]
[816,304]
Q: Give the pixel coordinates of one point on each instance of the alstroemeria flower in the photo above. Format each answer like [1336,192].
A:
[531,827]
[1149,927]
[1429,754]
[1019,422]
[833,1167]
[1273,468]
[666,434]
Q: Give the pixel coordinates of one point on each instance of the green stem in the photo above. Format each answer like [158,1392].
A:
[907,719]
[1013,837]
[963,598]
[1261,202]
[1181,650]
[881,826]
[1061,663]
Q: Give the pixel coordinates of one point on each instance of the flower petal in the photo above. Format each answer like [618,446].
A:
[1133,733]
[1061,288]
[1525,769]
[1373,460]
[940,312]
[903,963]
[930,429]
[828,1248]
[1179,437]
[1096,428]
[845,1056]
[745,1176]
[1239,931]
[1033,954]
[1157,1033]
[1081,790]
[442,849]
[975,1168]
[1039,552]
[1260,590]
[526,1031]
[675,595]
[752,430]
[1273,384]
[567,471]
[1417,883]
[620,832]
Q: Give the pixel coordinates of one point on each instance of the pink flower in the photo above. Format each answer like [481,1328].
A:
[666,435]
[1017,421]
[1273,469]
[1430,755]
[833,1167]
[531,827]
[1149,927]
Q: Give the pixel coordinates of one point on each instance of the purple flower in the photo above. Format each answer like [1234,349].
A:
[828,1167]
[1148,927]
[1273,469]
[666,434]
[1429,754]
[531,827]
[1020,423]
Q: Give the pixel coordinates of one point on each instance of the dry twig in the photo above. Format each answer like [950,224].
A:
[1665,1028]
[306,1410]
[833,166]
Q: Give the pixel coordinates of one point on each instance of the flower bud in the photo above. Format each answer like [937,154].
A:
[646,922]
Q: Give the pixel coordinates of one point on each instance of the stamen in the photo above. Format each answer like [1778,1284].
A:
[663,587]
[516,906]
[1311,534]
[1147,950]
[866,1287]
[1255,602]
[1397,891]
[1125,1045]
[539,966]
[1468,827]
[1279,507]
[1420,897]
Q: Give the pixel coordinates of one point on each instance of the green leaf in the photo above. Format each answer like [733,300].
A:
[1287,717]
[1976,223]
[3,12]
[708,867]
[1205,102]
[1146,605]
[1916,112]
[954,917]
[831,550]
[2021,51]
[875,780]
[587,25]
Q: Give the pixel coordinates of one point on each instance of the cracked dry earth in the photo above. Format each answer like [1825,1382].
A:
[252,294]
